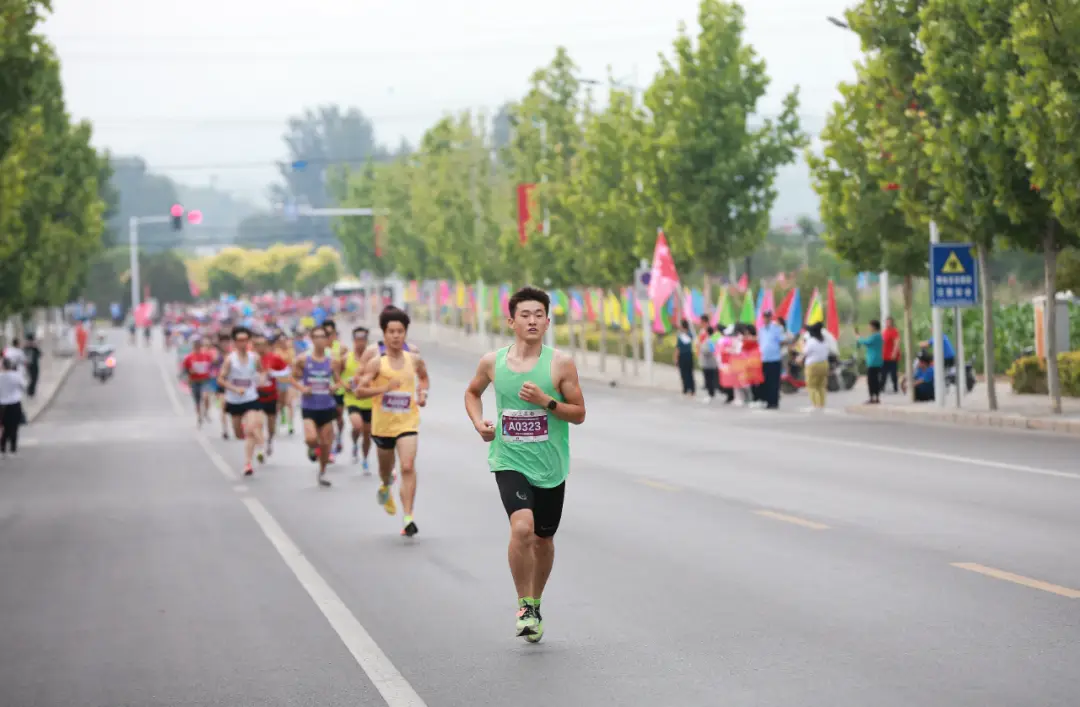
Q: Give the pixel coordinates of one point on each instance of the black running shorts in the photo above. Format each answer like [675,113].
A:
[321,418]
[241,409]
[365,414]
[390,442]
[546,504]
[340,400]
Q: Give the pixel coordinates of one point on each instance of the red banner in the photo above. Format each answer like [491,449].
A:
[526,198]
[741,370]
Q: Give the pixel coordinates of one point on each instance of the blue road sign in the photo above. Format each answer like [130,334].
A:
[954,275]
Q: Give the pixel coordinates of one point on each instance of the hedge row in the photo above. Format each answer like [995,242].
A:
[1028,374]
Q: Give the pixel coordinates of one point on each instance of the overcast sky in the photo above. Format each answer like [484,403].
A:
[202,89]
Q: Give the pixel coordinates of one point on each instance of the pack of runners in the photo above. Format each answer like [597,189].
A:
[378,389]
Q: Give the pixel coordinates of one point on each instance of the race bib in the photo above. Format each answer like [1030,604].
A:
[320,386]
[395,401]
[200,367]
[524,425]
[242,382]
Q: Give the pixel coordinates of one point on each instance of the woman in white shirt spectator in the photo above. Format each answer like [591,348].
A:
[12,388]
[815,359]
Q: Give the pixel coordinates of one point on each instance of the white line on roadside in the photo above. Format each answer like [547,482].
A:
[971,461]
[170,389]
[174,398]
[391,684]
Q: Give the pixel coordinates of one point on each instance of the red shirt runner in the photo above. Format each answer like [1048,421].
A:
[271,362]
[197,364]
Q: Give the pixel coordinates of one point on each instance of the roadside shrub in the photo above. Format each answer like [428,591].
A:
[1028,374]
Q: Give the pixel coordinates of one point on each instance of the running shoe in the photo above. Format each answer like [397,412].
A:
[386,500]
[526,620]
[538,630]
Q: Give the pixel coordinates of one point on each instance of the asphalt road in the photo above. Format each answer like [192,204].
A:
[707,556]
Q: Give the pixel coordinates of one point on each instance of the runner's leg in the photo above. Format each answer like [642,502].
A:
[326,442]
[406,454]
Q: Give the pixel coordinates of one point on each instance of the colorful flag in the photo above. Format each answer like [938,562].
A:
[724,314]
[526,198]
[815,313]
[832,317]
[767,305]
[664,279]
[794,313]
[747,314]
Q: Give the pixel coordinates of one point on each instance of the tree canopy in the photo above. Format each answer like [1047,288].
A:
[691,153]
[52,210]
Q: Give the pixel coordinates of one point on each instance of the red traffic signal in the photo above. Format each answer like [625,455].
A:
[194,217]
[176,211]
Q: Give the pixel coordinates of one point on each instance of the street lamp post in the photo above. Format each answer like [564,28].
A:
[133,239]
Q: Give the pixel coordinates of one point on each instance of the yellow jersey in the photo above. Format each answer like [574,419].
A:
[395,412]
[335,353]
[351,370]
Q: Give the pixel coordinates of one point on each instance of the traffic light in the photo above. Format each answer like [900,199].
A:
[177,213]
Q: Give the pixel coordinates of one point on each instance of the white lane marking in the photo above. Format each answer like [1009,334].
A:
[219,462]
[174,398]
[170,389]
[937,456]
[391,684]
[240,488]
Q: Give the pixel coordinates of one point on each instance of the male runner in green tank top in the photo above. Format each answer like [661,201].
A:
[537,397]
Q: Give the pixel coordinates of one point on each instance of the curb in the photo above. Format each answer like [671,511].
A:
[65,371]
[969,419]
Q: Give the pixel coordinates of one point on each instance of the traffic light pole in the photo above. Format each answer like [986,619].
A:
[133,239]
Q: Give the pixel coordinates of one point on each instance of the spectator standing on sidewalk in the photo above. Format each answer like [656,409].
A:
[815,359]
[873,345]
[684,358]
[771,341]
[12,387]
[890,355]
[707,359]
[33,365]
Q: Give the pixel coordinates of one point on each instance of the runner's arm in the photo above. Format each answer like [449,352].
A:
[366,387]
[474,404]
[572,409]
[424,382]
[223,374]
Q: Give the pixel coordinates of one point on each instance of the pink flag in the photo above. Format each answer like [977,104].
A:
[768,304]
[664,279]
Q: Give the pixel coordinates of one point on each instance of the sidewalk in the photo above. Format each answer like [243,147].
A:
[1014,411]
[54,371]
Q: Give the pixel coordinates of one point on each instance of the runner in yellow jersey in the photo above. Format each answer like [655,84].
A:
[398,383]
[339,393]
[359,409]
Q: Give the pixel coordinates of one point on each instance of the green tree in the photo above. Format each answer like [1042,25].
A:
[607,193]
[863,220]
[715,171]
[1038,69]
[546,138]
[977,167]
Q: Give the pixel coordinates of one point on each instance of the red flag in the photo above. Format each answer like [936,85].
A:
[379,236]
[832,317]
[785,306]
[193,288]
[744,282]
[664,279]
[526,205]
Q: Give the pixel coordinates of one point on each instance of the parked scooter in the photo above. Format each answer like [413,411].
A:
[103,367]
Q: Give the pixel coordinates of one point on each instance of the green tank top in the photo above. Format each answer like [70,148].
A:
[528,438]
